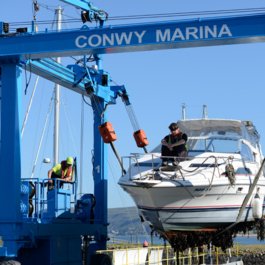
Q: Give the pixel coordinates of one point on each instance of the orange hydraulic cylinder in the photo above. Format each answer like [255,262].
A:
[140,138]
[107,132]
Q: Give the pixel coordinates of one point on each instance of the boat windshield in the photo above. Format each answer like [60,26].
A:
[213,144]
[218,142]
[219,136]
[197,145]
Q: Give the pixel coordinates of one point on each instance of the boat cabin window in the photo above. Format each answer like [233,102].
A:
[218,141]
[213,144]
[246,153]
[197,145]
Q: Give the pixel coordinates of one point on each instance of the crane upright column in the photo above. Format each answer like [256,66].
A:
[100,172]
[10,156]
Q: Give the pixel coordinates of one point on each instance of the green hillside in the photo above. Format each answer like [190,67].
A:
[126,221]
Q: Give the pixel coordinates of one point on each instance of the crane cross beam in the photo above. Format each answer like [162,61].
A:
[66,77]
[135,37]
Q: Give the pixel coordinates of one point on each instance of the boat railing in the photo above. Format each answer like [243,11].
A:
[143,166]
[135,161]
[34,193]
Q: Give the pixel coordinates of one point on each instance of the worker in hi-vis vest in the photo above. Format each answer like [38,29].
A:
[63,171]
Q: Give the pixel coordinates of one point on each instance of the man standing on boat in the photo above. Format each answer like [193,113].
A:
[63,171]
[174,145]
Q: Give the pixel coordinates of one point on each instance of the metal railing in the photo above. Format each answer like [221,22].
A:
[165,255]
[41,188]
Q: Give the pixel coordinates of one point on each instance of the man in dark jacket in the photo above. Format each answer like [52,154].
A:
[174,145]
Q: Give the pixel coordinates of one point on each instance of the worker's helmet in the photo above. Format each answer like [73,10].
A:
[69,160]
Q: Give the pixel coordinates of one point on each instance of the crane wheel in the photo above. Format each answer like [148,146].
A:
[101,259]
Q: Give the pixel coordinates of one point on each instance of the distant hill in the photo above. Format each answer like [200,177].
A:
[126,221]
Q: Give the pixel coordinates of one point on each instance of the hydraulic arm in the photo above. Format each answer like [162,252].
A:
[89,11]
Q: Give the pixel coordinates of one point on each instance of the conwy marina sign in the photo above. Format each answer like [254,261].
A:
[197,32]
[157,36]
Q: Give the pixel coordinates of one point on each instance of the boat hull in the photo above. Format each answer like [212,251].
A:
[189,208]
[210,195]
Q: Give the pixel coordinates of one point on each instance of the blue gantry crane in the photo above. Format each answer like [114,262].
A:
[48,227]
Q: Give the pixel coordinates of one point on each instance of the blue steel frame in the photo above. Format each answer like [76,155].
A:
[10,158]
[135,37]
[148,36]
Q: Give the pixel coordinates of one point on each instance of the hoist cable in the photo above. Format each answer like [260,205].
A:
[246,199]
[118,157]
[151,16]
[29,107]
[68,124]
[27,80]
[84,99]
[191,13]
[131,114]
[41,139]
[132,117]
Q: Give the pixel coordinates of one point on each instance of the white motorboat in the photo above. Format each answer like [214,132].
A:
[219,187]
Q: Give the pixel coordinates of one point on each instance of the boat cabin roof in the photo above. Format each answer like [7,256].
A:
[244,129]
[209,125]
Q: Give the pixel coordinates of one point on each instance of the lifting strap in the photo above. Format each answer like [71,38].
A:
[247,197]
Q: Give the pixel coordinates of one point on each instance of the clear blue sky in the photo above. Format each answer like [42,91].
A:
[230,80]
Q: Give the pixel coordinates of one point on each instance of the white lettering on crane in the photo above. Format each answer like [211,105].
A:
[108,40]
[80,41]
[193,33]
[225,31]
[177,35]
[112,39]
[123,38]
[140,36]
[160,35]
[94,40]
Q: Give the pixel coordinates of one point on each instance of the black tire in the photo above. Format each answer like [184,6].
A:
[100,259]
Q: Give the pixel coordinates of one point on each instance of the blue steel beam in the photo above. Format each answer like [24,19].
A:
[149,36]
[10,158]
[82,4]
[88,8]
[55,72]
[12,227]
[66,77]
[135,37]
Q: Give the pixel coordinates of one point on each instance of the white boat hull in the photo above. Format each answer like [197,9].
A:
[220,186]
[191,208]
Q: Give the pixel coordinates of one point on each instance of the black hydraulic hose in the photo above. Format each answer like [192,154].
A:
[76,180]
[118,157]
[145,150]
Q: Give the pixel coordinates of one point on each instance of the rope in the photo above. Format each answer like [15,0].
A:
[191,171]
[29,107]
[132,117]
[68,123]
[42,135]
[71,19]
[246,199]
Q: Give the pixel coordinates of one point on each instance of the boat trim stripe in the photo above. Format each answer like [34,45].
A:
[195,208]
